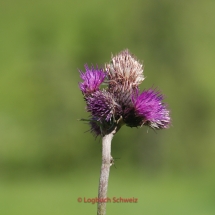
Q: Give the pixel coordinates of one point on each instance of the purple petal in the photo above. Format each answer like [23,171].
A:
[149,106]
[147,109]
[92,79]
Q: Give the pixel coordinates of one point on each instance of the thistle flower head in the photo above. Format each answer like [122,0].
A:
[148,109]
[92,80]
[102,105]
[125,68]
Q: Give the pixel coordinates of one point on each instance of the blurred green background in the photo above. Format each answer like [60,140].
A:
[48,160]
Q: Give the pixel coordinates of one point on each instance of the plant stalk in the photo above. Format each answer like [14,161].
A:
[107,161]
[104,174]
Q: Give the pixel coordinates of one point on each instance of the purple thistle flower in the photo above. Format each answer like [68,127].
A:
[102,105]
[148,109]
[92,80]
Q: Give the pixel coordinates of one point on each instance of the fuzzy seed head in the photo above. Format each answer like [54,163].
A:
[125,68]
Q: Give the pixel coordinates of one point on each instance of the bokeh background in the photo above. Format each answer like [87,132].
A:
[48,160]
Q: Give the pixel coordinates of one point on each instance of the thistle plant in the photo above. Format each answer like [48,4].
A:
[113,99]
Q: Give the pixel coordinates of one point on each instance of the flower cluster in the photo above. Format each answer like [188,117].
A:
[121,102]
